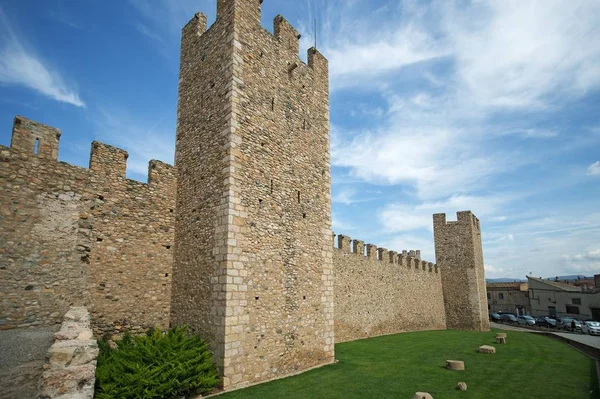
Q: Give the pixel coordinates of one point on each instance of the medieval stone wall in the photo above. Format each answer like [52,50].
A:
[87,237]
[384,292]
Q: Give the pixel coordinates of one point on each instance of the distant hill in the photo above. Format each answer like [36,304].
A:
[571,277]
[503,280]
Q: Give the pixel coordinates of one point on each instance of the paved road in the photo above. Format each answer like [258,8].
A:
[593,341]
[22,356]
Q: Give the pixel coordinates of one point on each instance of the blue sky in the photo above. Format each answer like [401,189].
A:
[436,106]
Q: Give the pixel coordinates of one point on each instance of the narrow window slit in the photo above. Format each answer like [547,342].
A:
[298,196]
[271,186]
[36,146]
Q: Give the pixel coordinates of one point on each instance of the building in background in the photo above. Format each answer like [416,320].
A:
[508,298]
[562,299]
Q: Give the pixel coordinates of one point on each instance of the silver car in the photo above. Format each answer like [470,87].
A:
[526,320]
[590,327]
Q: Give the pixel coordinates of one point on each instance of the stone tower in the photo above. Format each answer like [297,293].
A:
[253,241]
[459,254]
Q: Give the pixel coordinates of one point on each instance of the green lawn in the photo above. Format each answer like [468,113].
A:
[397,366]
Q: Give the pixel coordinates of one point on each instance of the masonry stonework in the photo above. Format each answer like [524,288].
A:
[384,292]
[253,261]
[84,237]
[236,242]
[459,254]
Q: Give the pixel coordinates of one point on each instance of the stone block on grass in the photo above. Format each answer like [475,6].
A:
[455,365]
[487,349]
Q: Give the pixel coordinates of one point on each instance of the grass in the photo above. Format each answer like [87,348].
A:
[397,366]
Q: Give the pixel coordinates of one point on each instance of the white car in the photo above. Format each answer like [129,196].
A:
[526,320]
[590,327]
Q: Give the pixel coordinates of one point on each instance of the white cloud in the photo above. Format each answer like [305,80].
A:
[167,17]
[594,169]
[509,53]
[143,142]
[495,271]
[525,53]
[20,66]
[401,217]
[409,242]
[587,262]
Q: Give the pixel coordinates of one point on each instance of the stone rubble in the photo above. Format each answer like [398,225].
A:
[69,372]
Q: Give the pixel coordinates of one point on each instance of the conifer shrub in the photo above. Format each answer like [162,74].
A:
[157,365]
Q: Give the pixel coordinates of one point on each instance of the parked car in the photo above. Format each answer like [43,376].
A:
[590,327]
[495,317]
[508,318]
[564,323]
[545,321]
[526,320]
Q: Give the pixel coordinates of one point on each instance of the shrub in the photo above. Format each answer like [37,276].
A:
[169,365]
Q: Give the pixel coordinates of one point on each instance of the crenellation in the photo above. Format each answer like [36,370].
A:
[344,243]
[161,174]
[358,247]
[240,11]
[375,295]
[35,138]
[108,161]
[94,237]
[196,26]
[382,255]
[288,36]
[372,251]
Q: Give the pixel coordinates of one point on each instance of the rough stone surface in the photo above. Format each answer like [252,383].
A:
[455,365]
[487,349]
[70,369]
[461,386]
[500,340]
[22,357]
[253,261]
[422,395]
[79,236]
[459,254]
[384,292]
[236,242]
[501,335]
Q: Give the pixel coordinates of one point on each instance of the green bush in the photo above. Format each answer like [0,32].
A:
[170,365]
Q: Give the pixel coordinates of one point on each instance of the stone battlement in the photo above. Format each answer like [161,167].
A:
[83,236]
[462,218]
[411,259]
[34,139]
